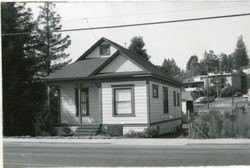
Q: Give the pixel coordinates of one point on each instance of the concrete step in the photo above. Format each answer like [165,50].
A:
[87,129]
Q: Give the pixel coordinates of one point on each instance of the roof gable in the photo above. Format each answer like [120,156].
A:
[121,64]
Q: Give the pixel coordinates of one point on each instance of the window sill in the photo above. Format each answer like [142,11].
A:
[123,115]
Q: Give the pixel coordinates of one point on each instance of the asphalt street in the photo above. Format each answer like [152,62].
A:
[81,155]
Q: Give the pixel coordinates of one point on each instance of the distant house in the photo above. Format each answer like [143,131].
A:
[194,84]
[109,85]
[237,79]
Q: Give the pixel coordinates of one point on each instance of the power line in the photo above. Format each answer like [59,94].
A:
[139,24]
[153,13]
[153,23]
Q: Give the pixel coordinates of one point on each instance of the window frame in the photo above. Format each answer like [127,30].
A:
[101,49]
[132,100]
[174,98]
[154,86]
[165,100]
[178,99]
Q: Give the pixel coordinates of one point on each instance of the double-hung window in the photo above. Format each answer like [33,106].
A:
[174,98]
[123,101]
[165,100]
[155,91]
[178,99]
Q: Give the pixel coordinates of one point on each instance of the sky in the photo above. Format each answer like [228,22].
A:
[175,40]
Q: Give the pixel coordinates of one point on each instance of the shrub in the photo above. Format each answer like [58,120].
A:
[233,123]
[149,132]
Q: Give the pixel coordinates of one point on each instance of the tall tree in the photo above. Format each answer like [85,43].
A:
[193,66]
[192,60]
[240,55]
[19,100]
[170,67]
[210,61]
[51,43]
[137,46]
[226,63]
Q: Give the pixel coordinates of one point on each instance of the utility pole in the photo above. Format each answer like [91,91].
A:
[207,89]
[217,82]
[48,53]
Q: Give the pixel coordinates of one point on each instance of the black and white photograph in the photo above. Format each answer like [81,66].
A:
[125,83]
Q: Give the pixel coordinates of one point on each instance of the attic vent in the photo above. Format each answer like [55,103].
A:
[105,49]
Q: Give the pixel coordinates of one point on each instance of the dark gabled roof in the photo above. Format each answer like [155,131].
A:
[84,68]
[78,69]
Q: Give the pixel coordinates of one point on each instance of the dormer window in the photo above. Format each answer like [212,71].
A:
[105,49]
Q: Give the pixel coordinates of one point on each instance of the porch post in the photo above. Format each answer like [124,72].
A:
[79,104]
[100,100]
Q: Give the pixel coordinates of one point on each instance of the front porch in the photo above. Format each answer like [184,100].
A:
[80,103]
[79,108]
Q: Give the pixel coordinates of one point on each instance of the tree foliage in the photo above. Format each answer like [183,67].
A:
[193,66]
[51,44]
[226,62]
[26,59]
[20,100]
[170,67]
[137,46]
[210,61]
[240,55]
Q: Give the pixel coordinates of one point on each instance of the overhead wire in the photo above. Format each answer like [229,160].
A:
[139,24]
[66,21]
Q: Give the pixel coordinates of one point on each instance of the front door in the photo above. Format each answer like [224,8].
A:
[84,110]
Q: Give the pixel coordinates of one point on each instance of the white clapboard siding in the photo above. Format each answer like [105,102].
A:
[140,104]
[68,108]
[96,52]
[94,109]
[156,104]
[120,64]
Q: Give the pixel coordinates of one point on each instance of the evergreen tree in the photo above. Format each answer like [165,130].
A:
[191,62]
[226,62]
[170,67]
[19,99]
[51,44]
[193,66]
[137,46]
[210,62]
[240,55]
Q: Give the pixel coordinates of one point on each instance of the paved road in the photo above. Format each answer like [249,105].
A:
[58,155]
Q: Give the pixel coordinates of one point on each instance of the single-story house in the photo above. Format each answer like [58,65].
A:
[110,85]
